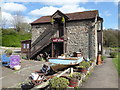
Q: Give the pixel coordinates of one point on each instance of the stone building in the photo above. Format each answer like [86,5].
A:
[67,33]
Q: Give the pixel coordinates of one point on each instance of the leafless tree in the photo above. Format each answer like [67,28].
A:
[2,20]
[18,21]
[3,23]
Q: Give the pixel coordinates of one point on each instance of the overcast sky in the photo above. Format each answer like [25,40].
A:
[33,10]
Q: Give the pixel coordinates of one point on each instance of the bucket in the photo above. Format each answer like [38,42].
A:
[73,83]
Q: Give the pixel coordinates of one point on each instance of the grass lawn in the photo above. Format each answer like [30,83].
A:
[116,61]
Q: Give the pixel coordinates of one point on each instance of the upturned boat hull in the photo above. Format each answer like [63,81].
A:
[60,63]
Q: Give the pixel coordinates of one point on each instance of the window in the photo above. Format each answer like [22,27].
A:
[27,45]
[61,30]
[24,46]
[99,47]
[100,26]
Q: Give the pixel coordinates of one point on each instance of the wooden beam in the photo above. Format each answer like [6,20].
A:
[52,50]
[44,84]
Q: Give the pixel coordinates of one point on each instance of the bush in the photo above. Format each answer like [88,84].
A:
[76,75]
[85,64]
[8,52]
[113,54]
[90,62]
[59,82]
[103,57]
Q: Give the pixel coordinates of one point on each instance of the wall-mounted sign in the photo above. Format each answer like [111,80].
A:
[57,39]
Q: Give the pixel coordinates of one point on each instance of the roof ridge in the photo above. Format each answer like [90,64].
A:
[73,16]
[74,13]
[83,11]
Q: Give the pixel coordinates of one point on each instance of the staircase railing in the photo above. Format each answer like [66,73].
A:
[40,43]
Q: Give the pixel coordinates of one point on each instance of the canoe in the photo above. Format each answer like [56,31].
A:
[62,63]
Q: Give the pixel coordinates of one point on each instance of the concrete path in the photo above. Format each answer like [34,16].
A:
[11,78]
[103,76]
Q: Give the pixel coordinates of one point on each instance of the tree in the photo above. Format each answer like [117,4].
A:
[3,23]
[2,20]
[111,37]
[18,21]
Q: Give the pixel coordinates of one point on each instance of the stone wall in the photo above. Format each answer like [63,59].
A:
[37,30]
[81,36]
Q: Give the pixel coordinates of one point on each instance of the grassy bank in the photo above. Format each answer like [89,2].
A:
[11,38]
[116,62]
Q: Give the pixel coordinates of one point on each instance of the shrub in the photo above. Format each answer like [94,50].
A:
[103,57]
[80,66]
[76,75]
[90,62]
[8,52]
[113,54]
[59,82]
[85,64]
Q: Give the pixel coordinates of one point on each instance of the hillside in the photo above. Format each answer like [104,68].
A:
[11,38]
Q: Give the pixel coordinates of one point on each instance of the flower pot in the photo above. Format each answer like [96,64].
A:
[83,70]
[73,82]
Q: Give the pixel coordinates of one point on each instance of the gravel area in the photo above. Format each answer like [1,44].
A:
[12,79]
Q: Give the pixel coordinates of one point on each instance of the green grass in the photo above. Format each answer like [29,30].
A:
[116,62]
[11,38]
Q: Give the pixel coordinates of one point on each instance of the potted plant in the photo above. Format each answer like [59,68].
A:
[90,62]
[85,64]
[81,69]
[59,83]
[74,79]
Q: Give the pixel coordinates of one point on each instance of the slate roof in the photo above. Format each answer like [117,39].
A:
[72,16]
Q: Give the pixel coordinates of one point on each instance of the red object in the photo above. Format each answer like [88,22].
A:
[73,85]
[84,70]
[57,39]
[99,60]
[73,82]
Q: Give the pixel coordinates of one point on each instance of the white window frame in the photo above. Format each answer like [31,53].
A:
[24,46]
[28,46]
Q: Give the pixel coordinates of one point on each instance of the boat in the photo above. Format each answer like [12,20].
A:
[62,63]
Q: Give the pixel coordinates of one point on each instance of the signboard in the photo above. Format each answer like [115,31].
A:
[57,39]
[14,60]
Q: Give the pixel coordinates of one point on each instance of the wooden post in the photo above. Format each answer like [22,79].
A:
[71,71]
[52,50]
[52,37]
[65,38]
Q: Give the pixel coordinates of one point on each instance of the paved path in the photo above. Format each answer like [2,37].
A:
[11,78]
[103,76]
